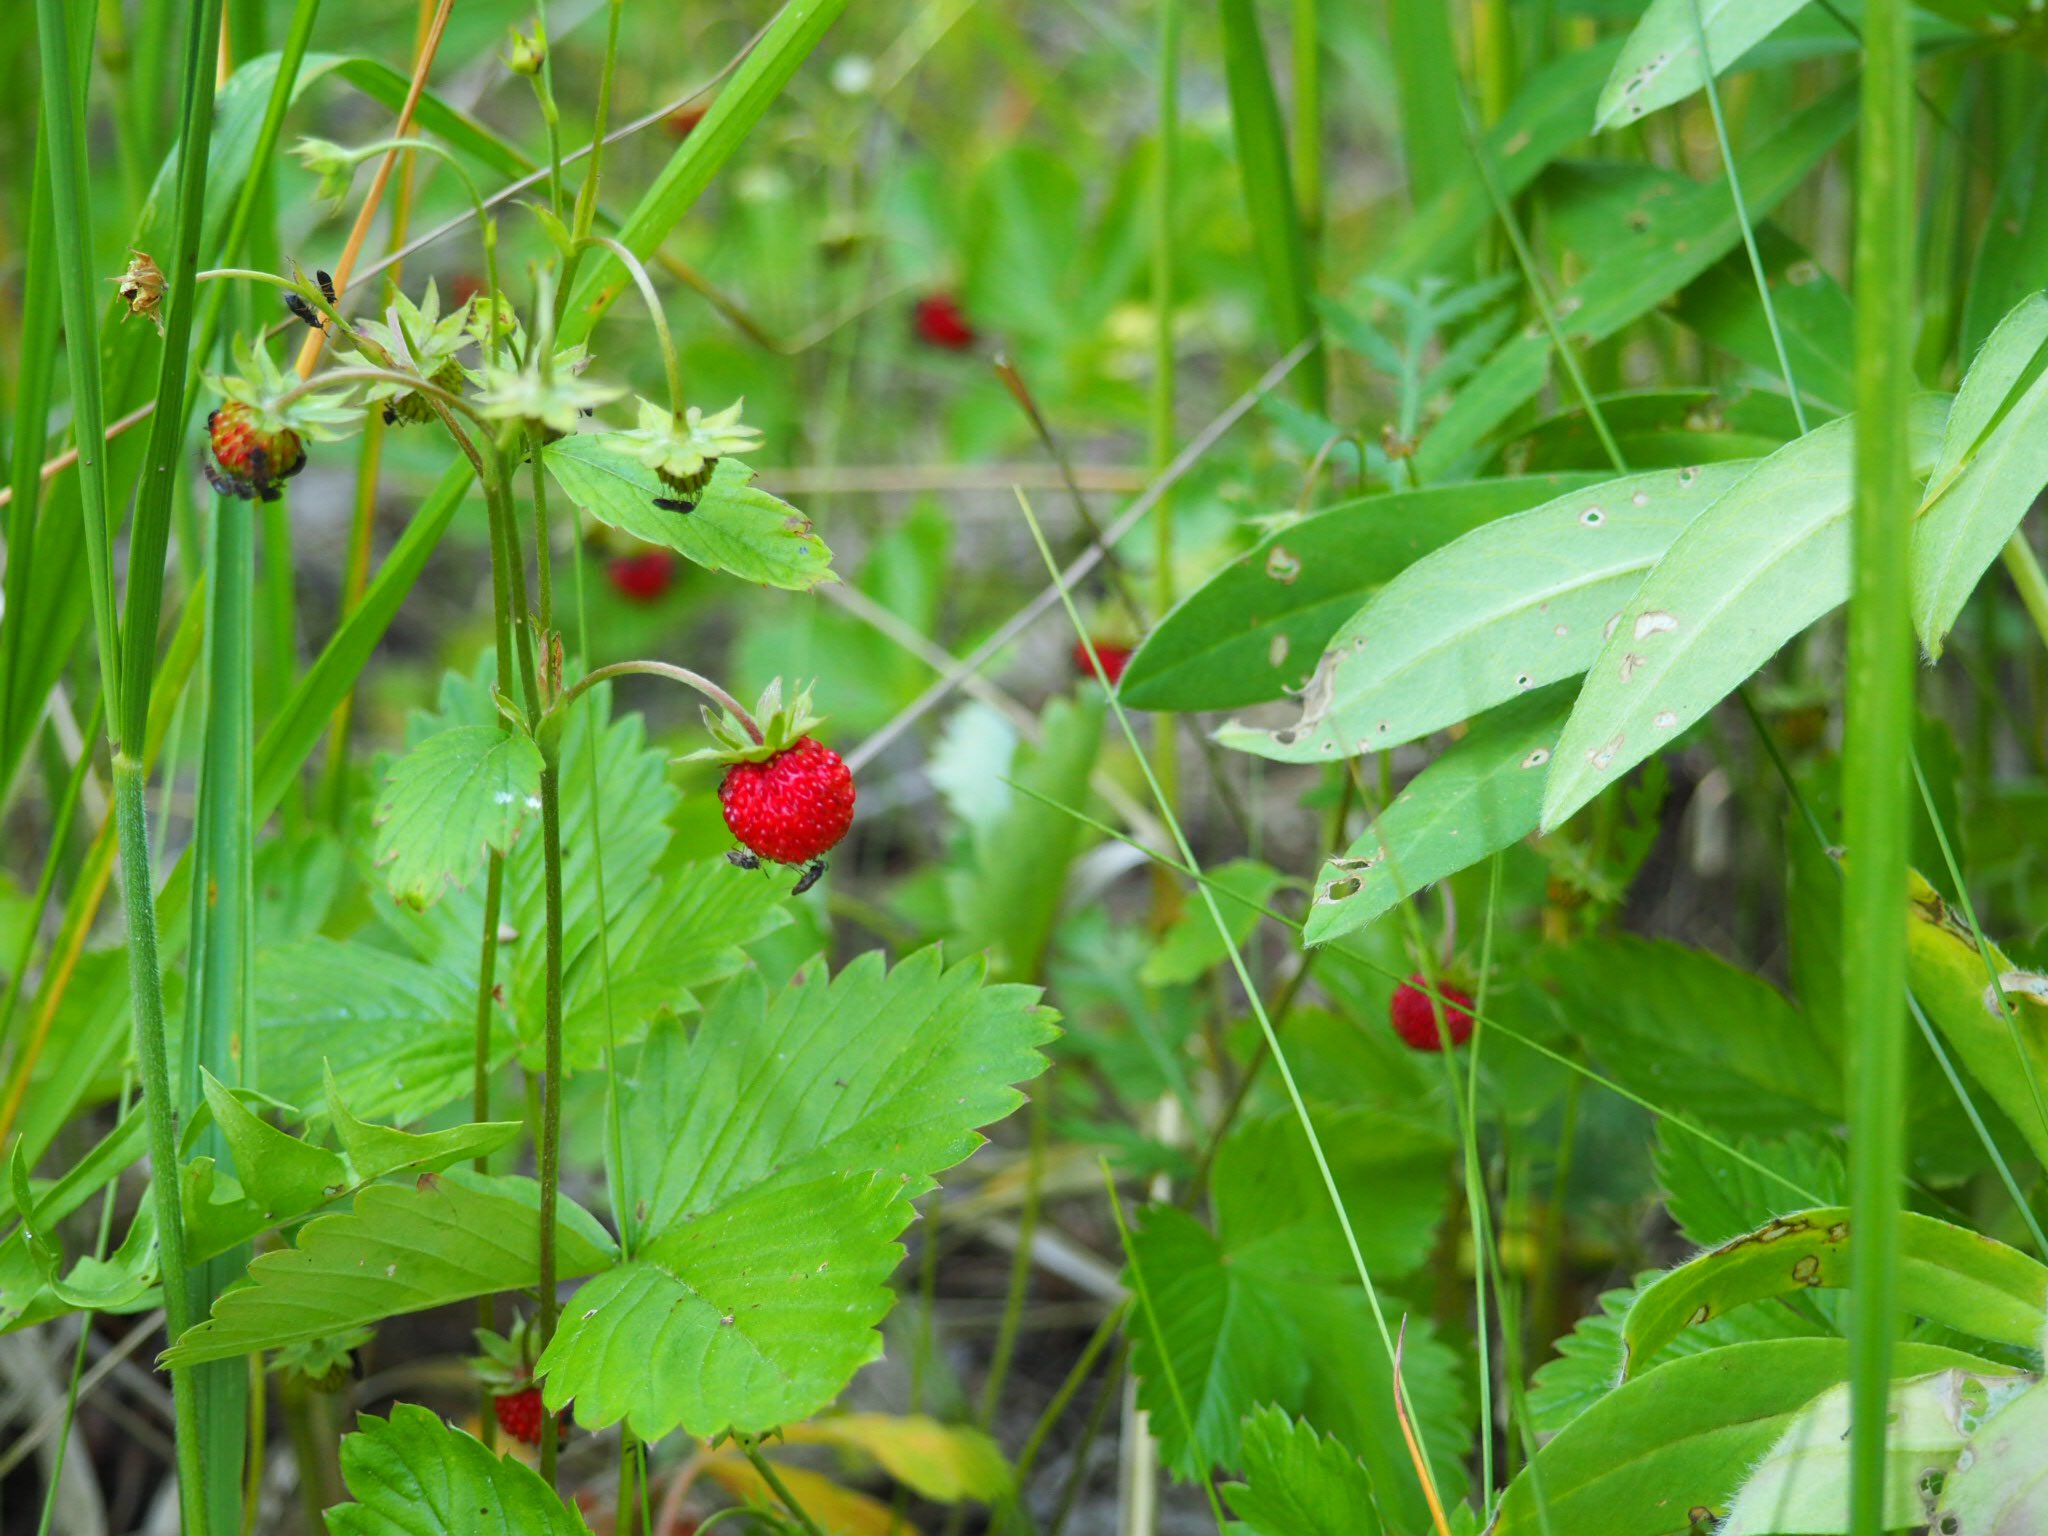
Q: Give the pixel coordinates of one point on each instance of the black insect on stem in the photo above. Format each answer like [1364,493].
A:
[811,877]
[326,288]
[297,304]
[740,859]
[676,504]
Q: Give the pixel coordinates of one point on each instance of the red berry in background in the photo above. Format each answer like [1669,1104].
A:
[1114,659]
[1414,1014]
[462,288]
[941,323]
[519,1414]
[684,119]
[255,462]
[791,807]
[642,577]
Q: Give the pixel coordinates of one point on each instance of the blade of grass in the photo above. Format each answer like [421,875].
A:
[1877,739]
[1261,142]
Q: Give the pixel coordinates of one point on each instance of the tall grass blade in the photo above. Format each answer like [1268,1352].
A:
[1878,738]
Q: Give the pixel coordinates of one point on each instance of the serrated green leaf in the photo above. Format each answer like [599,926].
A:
[1993,463]
[1803,1483]
[281,1173]
[1511,606]
[1668,1021]
[872,1069]
[399,1037]
[1223,1340]
[413,1475]
[1769,557]
[448,802]
[375,1151]
[1662,63]
[1254,629]
[734,526]
[1664,1454]
[401,1249]
[2003,1491]
[1714,1198]
[1484,793]
[753,1313]
[1948,1274]
[1300,1483]
[1655,249]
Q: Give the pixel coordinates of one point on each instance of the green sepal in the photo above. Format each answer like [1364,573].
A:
[782,727]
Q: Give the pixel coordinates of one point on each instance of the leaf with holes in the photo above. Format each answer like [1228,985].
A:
[1483,794]
[734,525]
[1662,62]
[1994,461]
[1511,606]
[1948,1275]
[1253,631]
[1764,561]
[412,1475]
[401,1249]
[448,802]
[1300,1483]
[1803,1484]
[2003,1490]
[1665,1453]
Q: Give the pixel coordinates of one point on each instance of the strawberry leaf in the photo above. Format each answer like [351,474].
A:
[771,1156]
[732,526]
[448,801]
[401,1249]
[413,1475]
[1298,1483]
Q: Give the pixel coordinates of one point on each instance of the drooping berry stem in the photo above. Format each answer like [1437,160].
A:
[683,675]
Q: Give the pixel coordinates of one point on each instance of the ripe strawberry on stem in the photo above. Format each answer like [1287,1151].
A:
[1413,1013]
[940,322]
[786,797]
[505,1370]
[258,435]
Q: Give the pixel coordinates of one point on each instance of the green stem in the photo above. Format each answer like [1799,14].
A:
[146,989]
[773,1479]
[1877,740]
[586,198]
[551,1082]
[683,675]
[2027,577]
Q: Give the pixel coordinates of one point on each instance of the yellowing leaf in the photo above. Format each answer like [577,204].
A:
[837,1511]
[942,1462]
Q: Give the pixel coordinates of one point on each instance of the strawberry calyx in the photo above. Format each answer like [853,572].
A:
[416,339]
[506,1365]
[776,726]
[684,450]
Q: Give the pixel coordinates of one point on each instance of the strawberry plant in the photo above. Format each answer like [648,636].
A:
[1382,879]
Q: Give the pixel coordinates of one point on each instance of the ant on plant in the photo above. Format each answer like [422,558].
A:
[739,858]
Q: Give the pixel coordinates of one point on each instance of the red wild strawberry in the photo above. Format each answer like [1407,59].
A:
[1114,659]
[519,1414]
[941,323]
[684,120]
[792,807]
[642,577]
[1414,1014]
[787,798]
[253,462]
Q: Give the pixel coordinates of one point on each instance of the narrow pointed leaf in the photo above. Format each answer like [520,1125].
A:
[1509,607]
[1948,1274]
[1661,62]
[1763,562]
[1483,794]
[1255,629]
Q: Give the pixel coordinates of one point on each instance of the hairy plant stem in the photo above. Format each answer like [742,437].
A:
[551,1081]
[773,1479]
[145,986]
[480,1092]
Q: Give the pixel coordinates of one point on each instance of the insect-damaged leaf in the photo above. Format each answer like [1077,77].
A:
[1507,608]
[734,525]
[1484,793]
[450,799]
[1256,628]
[1759,565]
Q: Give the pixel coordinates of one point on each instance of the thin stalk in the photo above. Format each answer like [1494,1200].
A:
[1165,362]
[551,1086]
[586,197]
[2028,580]
[773,1479]
[1308,118]
[1112,1390]
[1877,740]
[1020,1262]
[1475,1189]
